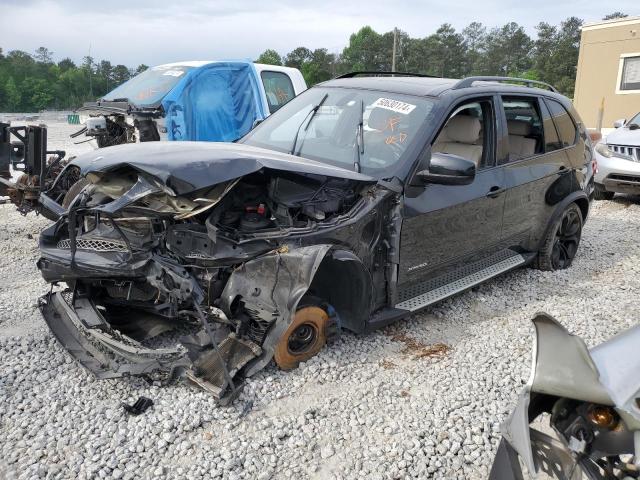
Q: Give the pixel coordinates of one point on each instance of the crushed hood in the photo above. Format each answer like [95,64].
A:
[624,136]
[189,166]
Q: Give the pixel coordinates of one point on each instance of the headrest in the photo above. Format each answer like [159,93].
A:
[518,127]
[463,129]
[379,118]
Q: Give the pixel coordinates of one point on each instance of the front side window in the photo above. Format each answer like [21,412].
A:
[634,120]
[278,88]
[468,133]
[349,128]
[524,126]
[564,124]
[629,73]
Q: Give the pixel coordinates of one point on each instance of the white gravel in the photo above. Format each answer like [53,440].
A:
[364,408]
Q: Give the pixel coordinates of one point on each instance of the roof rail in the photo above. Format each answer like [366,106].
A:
[469,81]
[372,73]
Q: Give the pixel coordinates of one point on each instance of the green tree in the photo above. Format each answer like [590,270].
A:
[555,54]
[366,51]
[474,37]
[43,55]
[269,57]
[447,58]
[614,15]
[508,51]
[414,55]
[120,74]
[36,94]
[12,96]
[321,66]
[66,64]
[141,68]
[298,57]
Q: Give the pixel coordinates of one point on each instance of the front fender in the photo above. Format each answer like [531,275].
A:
[270,287]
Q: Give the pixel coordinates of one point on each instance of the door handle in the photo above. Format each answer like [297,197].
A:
[495,191]
[563,170]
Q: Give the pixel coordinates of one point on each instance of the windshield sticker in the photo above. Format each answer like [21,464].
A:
[173,73]
[394,105]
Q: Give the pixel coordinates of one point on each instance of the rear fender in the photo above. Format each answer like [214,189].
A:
[579,197]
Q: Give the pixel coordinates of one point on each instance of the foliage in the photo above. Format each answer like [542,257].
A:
[270,57]
[35,82]
[551,56]
[614,15]
[556,53]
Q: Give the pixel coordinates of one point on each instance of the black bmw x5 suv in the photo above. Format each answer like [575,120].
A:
[362,200]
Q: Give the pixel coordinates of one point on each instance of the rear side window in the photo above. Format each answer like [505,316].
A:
[524,126]
[551,139]
[564,124]
[279,89]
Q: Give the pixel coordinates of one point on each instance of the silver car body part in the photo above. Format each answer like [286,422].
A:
[564,367]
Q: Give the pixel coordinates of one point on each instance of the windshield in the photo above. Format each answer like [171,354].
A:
[149,87]
[635,120]
[330,133]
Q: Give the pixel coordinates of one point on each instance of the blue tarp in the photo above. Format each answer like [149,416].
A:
[218,102]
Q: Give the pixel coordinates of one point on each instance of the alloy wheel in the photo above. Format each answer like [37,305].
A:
[567,239]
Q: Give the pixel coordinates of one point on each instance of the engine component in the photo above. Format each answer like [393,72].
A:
[254,221]
[147,130]
[96,126]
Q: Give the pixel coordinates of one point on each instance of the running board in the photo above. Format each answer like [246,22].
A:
[432,291]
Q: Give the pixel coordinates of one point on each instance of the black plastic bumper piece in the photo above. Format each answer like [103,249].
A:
[79,331]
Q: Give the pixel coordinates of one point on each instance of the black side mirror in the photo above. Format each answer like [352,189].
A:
[447,169]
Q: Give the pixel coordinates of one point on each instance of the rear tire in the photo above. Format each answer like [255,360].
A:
[73,192]
[561,243]
[601,194]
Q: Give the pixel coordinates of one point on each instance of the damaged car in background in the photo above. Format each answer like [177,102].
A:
[591,398]
[357,203]
[215,101]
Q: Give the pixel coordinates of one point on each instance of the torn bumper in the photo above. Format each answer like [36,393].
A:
[81,329]
[216,351]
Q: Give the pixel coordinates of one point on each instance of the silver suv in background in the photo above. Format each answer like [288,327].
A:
[618,158]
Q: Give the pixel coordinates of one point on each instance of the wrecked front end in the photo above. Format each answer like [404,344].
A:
[198,285]
[591,401]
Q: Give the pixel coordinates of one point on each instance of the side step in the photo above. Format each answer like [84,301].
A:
[431,291]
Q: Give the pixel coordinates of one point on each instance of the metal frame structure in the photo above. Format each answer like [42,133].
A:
[462,83]
[469,81]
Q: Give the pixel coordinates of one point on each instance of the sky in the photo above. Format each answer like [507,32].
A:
[156,31]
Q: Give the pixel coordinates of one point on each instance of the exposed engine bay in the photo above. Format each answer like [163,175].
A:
[118,129]
[199,285]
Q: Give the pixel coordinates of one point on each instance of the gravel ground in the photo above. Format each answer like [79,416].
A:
[392,404]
